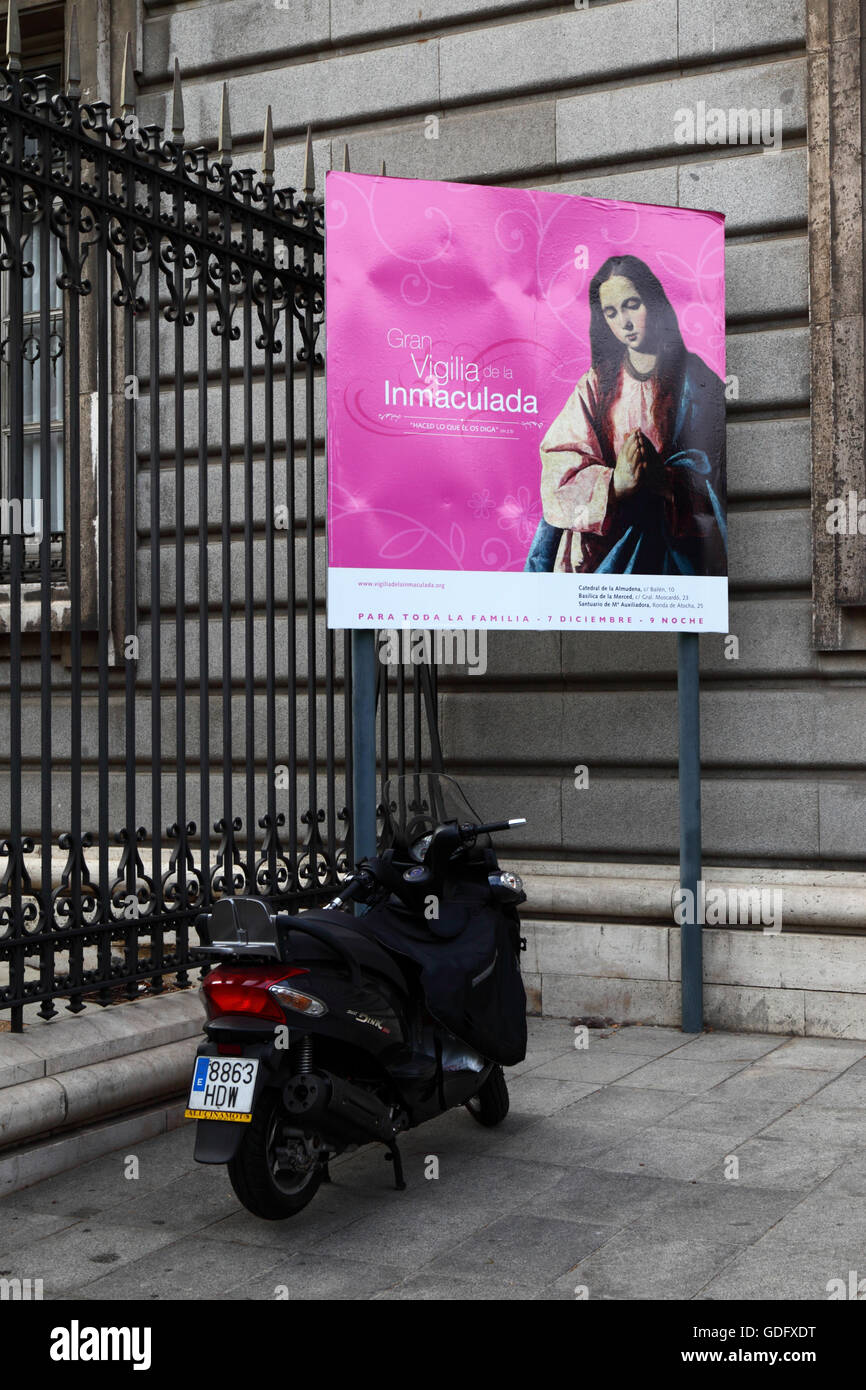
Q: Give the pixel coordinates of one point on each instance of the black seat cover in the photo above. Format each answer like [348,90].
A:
[469,966]
[368,954]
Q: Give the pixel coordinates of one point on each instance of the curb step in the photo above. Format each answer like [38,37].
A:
[33,1163]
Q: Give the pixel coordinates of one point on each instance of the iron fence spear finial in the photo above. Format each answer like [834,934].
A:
[127,78]
[73,57]
[309,184]
[224,148]
[176,107]
[268,164]
[13,38]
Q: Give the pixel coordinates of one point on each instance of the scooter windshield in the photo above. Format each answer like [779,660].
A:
[416,804]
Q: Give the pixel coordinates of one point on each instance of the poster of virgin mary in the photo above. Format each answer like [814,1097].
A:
[633,466]
[525,409]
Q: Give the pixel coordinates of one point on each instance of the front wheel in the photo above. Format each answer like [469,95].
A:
[274,1173]
[489,1106]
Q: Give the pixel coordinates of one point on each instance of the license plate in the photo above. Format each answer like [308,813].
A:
[222,1089]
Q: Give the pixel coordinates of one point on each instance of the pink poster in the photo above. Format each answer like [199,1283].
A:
[525,410]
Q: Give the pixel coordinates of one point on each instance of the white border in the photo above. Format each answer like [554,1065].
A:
[514,601]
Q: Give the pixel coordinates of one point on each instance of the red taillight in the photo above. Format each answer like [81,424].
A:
[229,990]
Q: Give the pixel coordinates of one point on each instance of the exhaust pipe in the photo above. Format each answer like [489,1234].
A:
[330,1103]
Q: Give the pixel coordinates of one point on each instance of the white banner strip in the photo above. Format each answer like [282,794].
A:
[366,598]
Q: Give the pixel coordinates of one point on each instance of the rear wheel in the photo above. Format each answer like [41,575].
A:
[275,1173]
[490,1105]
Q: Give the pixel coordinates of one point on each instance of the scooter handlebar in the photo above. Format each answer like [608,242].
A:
[491,827]
[357,887]
[364,880]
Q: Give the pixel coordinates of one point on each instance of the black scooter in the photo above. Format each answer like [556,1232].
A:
[329,1030]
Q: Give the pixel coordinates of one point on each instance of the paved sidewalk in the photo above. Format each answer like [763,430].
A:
[610,1174]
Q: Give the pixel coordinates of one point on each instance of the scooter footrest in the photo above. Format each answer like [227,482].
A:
[416,1069]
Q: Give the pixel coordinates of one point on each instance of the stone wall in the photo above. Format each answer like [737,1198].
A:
[575,100]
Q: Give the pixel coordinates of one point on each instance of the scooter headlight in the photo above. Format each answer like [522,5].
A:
[513,881]
[301,1003]
[505,886]
[420,847]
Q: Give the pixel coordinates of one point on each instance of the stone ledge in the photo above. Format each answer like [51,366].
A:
[46,1050]
[41,1108]
[811,900]
[36,1162]
[74,1089]
[790,983]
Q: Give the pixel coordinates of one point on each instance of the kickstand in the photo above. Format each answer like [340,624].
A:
[393,1156]
[326,1173]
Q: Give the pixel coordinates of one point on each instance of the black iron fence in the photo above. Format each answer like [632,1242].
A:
[175,714]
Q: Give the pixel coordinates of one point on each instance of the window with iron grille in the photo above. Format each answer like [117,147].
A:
[43,503]
[28,512]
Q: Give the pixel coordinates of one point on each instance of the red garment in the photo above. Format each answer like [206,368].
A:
[577,491]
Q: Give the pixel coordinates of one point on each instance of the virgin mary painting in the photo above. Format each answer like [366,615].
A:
[633,467]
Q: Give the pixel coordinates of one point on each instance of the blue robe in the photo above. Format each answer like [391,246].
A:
[646,545]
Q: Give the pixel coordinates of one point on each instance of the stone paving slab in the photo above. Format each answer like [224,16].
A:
[652,1042]
[446,1288]
[534,1059]
[762,1082]
[600,1197]
[676,1074]
[822,1220]
[21,1228]
[729,1215]
[610,1179]
[334,1211]
[592,1067]
[759,1273]
[843,1092]
[765,1162]
[721,1047]
[186,1268]
[814,1126]
[625,1106]
[528,1248]
[314,1276]
[653,1268]
[102,1184]
[75,1257]
[564,1142]
[744,1118]
[823,1054]
[849,1179]
[533,1094]
[661,1152]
